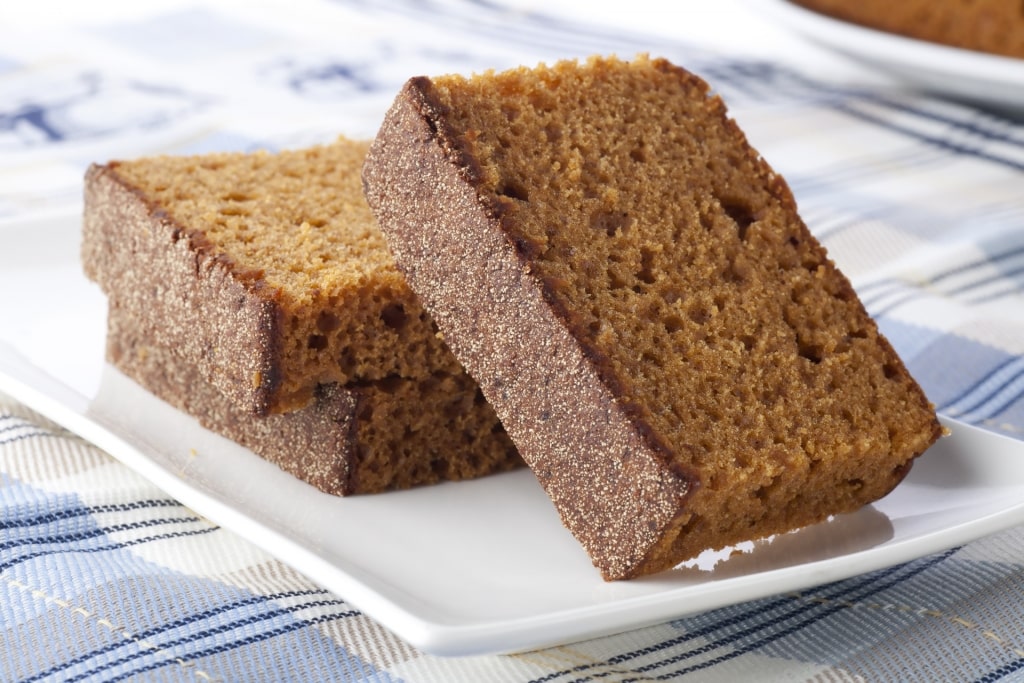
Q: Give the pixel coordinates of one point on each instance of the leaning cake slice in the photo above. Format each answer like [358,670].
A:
[671,350]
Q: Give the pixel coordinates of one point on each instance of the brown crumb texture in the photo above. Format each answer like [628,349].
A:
[267,271]
[672,351]
[429,429]
[393,433]
[994,26]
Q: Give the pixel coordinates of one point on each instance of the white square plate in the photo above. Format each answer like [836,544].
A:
[456,569]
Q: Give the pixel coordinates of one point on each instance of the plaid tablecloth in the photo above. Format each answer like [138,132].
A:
[105,578]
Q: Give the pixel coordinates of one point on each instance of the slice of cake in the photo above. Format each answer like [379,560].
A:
[671,350]
[266,271]
[255,292]
[393,433]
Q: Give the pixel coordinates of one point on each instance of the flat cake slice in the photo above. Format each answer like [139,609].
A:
[255,292]
[671,350]
[369,437]
[266,271]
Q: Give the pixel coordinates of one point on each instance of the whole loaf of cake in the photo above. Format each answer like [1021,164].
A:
[671,350]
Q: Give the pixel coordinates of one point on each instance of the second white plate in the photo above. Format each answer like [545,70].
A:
[961,74]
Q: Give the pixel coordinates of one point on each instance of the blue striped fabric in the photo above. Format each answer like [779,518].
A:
[921,202]
[87,597]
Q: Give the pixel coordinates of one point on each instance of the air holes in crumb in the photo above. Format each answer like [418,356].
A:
[638,154]
[646,273]
[394,316]
[439,467]
[765,491]
[706,220]
[610,223]
[673,323]
[452,411]
[810,352]
[327,322]
[616,282]
[741,460]
[390,385]
[699,315]
[891,371]
[741,214]
[317,342]
[233,211]
[346,362]
[513,190]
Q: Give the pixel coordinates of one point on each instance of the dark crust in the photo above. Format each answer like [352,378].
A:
[323,443]
[461,157]
[224,317]
[315,444]
[605,473]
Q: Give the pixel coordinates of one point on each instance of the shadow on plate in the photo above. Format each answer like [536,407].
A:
[838,536]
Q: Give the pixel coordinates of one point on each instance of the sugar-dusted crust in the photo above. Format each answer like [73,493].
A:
[197,301]
[343,443]
[567,424]
[231,275]
[315,444]
[644,443]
